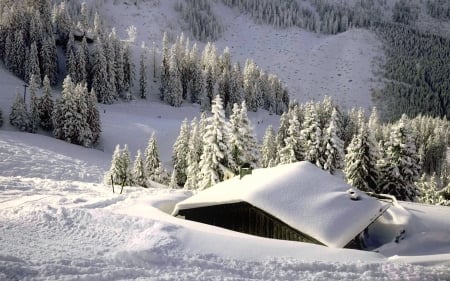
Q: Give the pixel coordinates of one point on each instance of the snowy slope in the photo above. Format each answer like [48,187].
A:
[311,65]
[58,222]
[54,227]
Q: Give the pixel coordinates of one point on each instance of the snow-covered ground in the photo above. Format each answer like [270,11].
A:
[67,226]
[59,222]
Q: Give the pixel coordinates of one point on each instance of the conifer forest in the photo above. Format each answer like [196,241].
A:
[72,62]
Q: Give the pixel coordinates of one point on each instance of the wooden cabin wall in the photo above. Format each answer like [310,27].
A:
[246,218]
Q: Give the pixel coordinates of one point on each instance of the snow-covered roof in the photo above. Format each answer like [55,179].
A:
[302,196]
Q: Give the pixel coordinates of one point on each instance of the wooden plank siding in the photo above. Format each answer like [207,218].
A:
[246,218]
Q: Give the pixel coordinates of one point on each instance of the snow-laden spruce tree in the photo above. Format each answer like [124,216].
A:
[120,171]
[1,118]
[128,68]
[34,104]
[70,115]
[19,116]
[292,151]
[282,133]
[46,106]
[269,148]
[139,175]
[333,145]
[82,58]
[361,168]
[236,139]
[173,180]
[216,159]
[110,55]
[174,94]
[180,153]
[311,137]
[195,147]
[32,65]
[72,65]
[49,59]
[92,115]
[161,175]
[242,142]
[152,160]
[100,76]
[195,87]
[165,69]
[250,144]
[400,166]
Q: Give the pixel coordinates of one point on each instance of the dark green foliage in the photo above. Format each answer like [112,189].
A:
[417,69]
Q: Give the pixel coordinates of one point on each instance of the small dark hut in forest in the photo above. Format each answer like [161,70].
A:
[298,202]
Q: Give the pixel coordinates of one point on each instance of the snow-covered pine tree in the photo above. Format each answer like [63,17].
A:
[143,73]
[18,55]
[193,157]
[269,148]
[93,116]
[324,111]
[173,180]
[120,171]
[46,106]
[32,65]
[216,159]
[282,133]
[333,145]
[72,65]
[128,68]
[34,104]
[82,63]
[165,68]
[67,121]
[1,118]
[100,75]
[160,175]
[180,153]
[361,168]
[251,75]
[400,167]
[49,60]
[192,171]
[428,190]
[19,116]
[152,160]
[110,56]
[174,94]
[85,136]
[236,85]
[293,150]
[195,87]
[139,174]
[236,140]
[311,137]
[250,144]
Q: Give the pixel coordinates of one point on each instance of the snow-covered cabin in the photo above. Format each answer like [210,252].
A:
[296,201]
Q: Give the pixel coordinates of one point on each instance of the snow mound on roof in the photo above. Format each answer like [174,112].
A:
[301,195]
